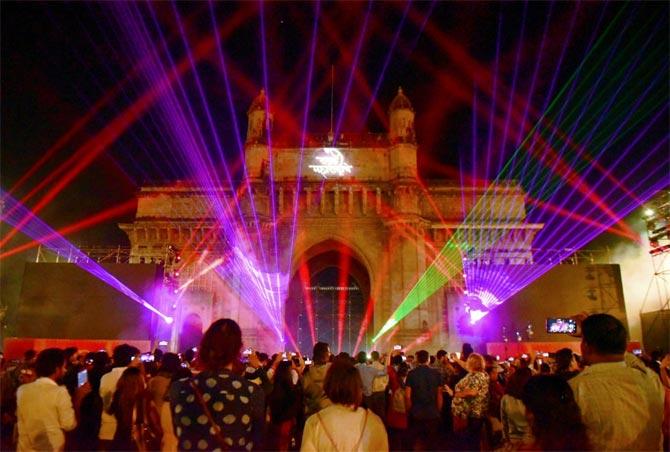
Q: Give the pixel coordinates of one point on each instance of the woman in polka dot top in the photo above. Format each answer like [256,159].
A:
[234,404]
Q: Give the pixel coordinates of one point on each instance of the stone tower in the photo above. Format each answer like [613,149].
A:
[401,119]
[402,137]
[259,122]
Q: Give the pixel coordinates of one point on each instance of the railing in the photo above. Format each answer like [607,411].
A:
[121,255]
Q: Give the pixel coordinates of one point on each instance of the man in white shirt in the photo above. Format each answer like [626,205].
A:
[44,409]
[379,384]
[620,399]
[123,355]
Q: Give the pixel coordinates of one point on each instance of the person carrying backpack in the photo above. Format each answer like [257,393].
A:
[396,408]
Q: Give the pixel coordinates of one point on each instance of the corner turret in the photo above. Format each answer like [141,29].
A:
[401,119]
[260,120]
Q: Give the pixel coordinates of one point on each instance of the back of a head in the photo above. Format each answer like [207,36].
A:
[49,361]
[563,359]
[283,376]
[29,355]
[129,386]
[396,360]
[605,334]
[422,356]
[123,354]
[131,380]
[545,368]
[361,358]
[345,357]
[466,350]
[440,354]
[517,381]
[403,370]
[100,359]
[557,423]
[475,363]
[170,363]
[188,354]
[320,353]
[375,355]
[343,384]
[221,344]
[69,352]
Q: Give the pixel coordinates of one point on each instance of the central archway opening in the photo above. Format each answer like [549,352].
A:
[327,299]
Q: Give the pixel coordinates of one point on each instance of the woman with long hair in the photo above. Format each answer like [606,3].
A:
[158,385]
[554,416]
[344,425]
[130,406]
[285,402]
[516,430]
[218,408]
[396,407]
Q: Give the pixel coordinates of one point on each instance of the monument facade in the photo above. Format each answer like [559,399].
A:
[366,224]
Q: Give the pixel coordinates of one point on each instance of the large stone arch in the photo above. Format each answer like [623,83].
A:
[318,244]
[322,260]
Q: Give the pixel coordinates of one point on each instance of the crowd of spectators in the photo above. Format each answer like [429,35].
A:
[218,397]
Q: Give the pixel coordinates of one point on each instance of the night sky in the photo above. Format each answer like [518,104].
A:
[60,59]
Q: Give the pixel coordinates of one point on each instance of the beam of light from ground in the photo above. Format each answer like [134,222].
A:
[423,337]
[494,98]
[449,260]
[94,146]
[200,274]
[411,300]
[273,201]
[505,282]
[354,64]
[291,339]
[387,60]
[303,139]
[36,229]
[342,295]
[510,100]
[256,288]
[191,141]
[199,162]
[231,107]
[537,182]
[375,293]
[303,273]
[567,165]
[107,214]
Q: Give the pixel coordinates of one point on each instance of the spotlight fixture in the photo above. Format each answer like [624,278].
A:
[168,320]
[649,212]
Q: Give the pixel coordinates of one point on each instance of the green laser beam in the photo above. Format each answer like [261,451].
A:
[448,263]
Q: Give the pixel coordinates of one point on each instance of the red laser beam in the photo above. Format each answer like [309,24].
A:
[107,214]
[98,144]
[303,272]
[342,295]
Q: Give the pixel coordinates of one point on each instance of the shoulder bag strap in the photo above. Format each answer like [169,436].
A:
[217,435]
[326,430]
[360,438]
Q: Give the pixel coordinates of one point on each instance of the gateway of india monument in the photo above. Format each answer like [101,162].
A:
[362,209]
